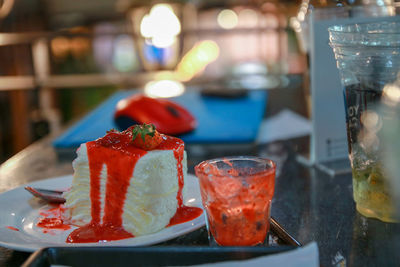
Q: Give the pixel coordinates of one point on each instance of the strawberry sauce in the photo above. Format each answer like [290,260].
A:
[185,214]
[120,156]
[52,219]
[53,223]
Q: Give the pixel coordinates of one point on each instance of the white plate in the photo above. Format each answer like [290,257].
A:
[19,209]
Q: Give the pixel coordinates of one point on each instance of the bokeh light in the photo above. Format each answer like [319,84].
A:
[227,19]
[196,59]
[124,57]
[161,26]
[391,94]
[164,88]
[248,18]
[60,47]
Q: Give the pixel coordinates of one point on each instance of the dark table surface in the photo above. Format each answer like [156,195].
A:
[310,204]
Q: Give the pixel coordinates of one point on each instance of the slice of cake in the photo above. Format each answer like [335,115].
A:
[125,184]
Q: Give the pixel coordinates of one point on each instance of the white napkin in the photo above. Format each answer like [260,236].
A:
[284,125]
[299,257]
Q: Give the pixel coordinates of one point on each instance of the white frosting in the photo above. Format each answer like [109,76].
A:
[150,202]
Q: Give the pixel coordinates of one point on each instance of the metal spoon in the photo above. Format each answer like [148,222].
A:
[52,196]
[282,233]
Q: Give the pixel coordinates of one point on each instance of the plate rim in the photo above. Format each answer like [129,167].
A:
[187,226]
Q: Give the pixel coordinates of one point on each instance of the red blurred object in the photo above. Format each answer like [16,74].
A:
[168,117]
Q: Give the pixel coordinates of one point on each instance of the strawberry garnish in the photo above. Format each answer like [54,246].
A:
[145,136]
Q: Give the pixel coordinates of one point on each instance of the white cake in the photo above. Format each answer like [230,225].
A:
[149,200]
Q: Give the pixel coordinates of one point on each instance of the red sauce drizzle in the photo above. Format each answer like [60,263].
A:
[53,223]
[52,219]
[120,161]
[120,157]
[183,213]
[12,228]
[179,157]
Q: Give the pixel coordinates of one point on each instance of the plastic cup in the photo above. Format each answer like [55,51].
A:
[368,58]
[236,194]
[390,111]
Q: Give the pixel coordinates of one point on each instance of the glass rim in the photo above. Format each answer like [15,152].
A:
[272,165]
[361,28]
[383,33]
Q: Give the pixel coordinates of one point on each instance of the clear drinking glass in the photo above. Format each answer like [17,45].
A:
[368,58]
[236,194]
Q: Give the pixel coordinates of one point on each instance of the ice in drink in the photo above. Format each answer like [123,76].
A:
[236,194]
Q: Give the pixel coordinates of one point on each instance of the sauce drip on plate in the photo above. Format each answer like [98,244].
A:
[52,219]
[12,228]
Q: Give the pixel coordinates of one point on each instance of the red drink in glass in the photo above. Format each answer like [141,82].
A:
[236,194]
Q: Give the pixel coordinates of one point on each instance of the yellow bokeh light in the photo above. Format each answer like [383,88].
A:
[196,59]
[227,19]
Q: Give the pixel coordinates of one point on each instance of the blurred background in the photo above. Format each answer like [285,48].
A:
[61,58]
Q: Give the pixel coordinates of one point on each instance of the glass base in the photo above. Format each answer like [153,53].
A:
[377,215]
